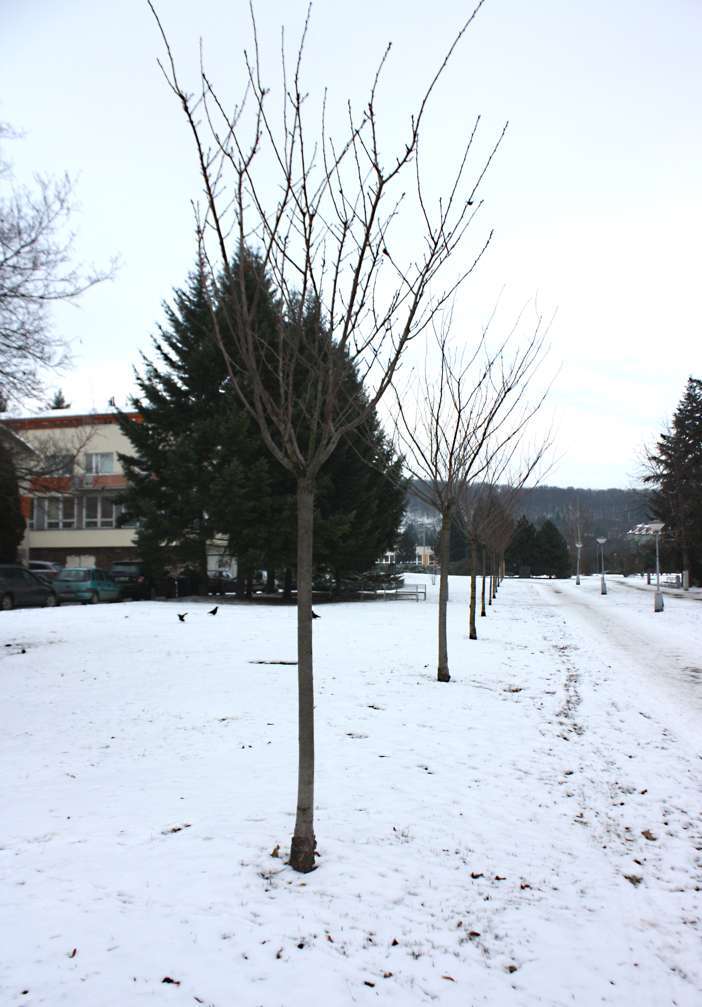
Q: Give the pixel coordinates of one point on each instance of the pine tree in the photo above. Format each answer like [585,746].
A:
[12,523]
[59,401]
[200,466]
[185,410]
[675,470]
[522,552]
[553,558]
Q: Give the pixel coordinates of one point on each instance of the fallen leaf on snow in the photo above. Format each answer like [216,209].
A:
[450,978]
[73,953]
[475,874]
[510,968]
[634,879]
[275,852]
[474,933]
[387,975]
[367,982]
[647,834]
[175,828]
[173,982]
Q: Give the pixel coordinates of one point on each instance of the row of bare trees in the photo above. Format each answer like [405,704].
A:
[461,427]
[319,213]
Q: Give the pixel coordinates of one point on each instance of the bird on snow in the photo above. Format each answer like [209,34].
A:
[182,615]
[213,611]
[315,616]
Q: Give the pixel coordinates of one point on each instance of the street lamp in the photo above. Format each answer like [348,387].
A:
[578,546]
[653,528]
[603,584]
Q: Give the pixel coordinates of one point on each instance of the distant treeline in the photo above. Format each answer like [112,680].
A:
[610,512]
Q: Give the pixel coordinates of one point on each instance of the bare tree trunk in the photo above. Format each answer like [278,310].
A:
[443,670]
[482,588]
[473,635]
[303,842]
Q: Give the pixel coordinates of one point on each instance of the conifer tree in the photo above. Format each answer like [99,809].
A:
[184,411]
[200,466]
[552,554]
[59,400]
[675,472]
[522,550]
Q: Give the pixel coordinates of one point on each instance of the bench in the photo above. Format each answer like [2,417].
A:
[413,592]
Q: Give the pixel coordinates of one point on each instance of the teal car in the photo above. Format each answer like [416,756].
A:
[85,584]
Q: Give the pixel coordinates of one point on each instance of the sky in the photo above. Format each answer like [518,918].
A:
[594,196]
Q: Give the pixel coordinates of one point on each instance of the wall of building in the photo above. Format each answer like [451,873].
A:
[77,436]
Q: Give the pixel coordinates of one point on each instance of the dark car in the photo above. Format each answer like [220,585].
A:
[47,571]
[19,588]
[133,580]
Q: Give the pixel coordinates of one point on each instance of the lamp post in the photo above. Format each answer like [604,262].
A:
[603,583]
[641,531]
[578,547]
[658,597]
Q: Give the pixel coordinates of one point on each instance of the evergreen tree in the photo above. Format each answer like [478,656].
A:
[522,552]
[552,553]
[406,544]
[59,401]
[185,410]
[675,470]
[12,523]
[200,466]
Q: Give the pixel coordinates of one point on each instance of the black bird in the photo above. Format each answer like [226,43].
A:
[213,611]
[315,616]
[182,615]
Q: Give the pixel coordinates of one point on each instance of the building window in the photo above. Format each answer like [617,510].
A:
[52,513]
[98,512]
[100,463]
[119,523]
[59,465]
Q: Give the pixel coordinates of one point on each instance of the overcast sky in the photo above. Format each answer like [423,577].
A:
[595,196]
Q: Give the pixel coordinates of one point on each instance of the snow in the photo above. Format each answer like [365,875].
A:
[475,838]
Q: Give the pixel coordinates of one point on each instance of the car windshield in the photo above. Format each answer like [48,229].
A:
[75,575]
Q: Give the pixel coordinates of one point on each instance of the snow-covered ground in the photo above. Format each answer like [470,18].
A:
[530,833]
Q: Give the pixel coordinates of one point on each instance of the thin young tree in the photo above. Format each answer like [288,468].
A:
[460,425]
[319,215]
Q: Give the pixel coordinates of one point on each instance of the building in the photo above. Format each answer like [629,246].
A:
[70,485]
[424,555]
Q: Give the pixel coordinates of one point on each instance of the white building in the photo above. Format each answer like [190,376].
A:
[71,512]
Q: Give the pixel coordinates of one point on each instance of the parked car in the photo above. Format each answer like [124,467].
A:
[133,580]
[19,588]
[47,571]
[86,584]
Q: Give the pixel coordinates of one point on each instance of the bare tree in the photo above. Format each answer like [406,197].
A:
[315,216]
[457,427]
[486,512]
[36,269]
